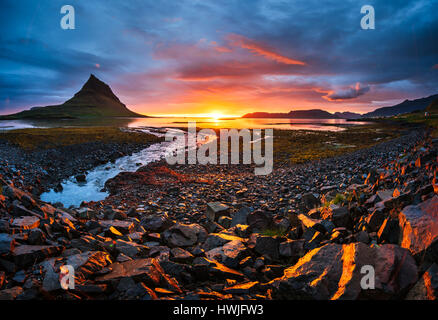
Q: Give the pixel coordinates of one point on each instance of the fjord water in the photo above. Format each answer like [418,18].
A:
[177,122]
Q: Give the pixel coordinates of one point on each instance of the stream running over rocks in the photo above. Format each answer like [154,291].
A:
[73,192]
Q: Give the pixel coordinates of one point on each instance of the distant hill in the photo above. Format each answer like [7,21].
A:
[294,114]
[348,115]
[404,107]
[94,100]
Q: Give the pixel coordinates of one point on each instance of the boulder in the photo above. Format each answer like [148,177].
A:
[131,249]
[224,221]
[26,255]
[140,270]
[156,222]
[240,216]
[340,216]
[88,263]
[315,241]
[181,255]
[265,245]
[292,249]
[308,222]
[383,195]
[334,272]
[215,210]
[259,220]
[36,237]
[427,287]
[309,201]
[25,223]
[362,236]
[51,277]
[215,240]
[230,254]
[185,235]
[13,193]
[389,231]
[10,294]
[87,243]
[221,271]
[148,271]
[19,211]
[419,225]
[375,220]
[7,243]
[125,227]
[242,288]
[4,226]
[85,213]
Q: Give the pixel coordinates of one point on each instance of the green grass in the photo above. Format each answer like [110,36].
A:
[300,145]
[418,118]
[339,199]
[274,232]
[30,139]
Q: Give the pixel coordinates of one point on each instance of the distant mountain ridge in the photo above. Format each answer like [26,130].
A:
[404,107]
[303,114]
[95,99]
[429,104]
[348,115]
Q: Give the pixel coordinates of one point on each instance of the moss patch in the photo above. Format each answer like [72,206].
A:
[301,145]
[430,121]
[30,139]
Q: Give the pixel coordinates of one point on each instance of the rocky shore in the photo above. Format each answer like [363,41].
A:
[42,169]
[220,232]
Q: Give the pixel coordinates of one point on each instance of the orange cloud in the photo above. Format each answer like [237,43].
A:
[261,50]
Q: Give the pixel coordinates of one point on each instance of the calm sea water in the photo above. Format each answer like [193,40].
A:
[238,123]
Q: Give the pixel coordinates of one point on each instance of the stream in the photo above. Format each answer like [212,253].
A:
[74,192]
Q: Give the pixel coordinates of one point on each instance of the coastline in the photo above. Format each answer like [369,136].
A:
[220,232]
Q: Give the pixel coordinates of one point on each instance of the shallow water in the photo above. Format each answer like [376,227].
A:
[238,123]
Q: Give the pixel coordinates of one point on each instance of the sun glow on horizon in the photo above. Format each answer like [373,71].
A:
[213,115]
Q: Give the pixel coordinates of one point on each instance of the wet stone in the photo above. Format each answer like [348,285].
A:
[25,223]
[215,210]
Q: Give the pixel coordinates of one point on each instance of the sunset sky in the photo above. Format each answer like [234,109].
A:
[223,56]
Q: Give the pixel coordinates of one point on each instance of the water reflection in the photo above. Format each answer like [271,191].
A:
[238,123]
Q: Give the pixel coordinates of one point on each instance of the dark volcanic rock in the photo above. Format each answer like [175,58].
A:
[334,272]
[419,225]
[156,222]
[7,243]
[266,245]
[427,287]
[259,220]
[26,255]
[184,235]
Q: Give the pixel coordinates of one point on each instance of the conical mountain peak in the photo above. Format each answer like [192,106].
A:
[94,100]
[96,86]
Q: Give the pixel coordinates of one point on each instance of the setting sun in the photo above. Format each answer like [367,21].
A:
[216,115]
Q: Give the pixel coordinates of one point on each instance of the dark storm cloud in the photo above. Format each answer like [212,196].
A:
[349,93]
[309,50]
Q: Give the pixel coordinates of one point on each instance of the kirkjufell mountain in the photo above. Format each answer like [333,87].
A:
[94,100]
